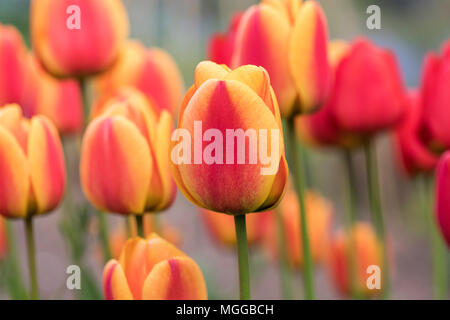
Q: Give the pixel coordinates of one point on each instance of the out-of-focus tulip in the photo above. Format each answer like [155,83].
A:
[367,252]
[368,94]
[443,196]
[152,71]
[319,218]
[119,237]
[221,45]
[221,227]
[3,240]
[289,39]
[75,39]
[153,269]
[436,100]
[59,100]
[413,156]
[32,170]
[230,103]
[12,65]
[124,158]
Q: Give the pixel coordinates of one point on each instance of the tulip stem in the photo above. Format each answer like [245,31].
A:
[104,239]
[34,290]
[140,225]
[83,83]
[377,211]
[438,249]
[242,248]
[285,268]
[296,167]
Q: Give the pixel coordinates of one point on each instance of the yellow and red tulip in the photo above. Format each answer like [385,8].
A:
[76,52]
[222,100]
[319,218]
[153,269]
[367,252]
[152,71]
[12,65]
[124,158]
[221,227]
[32,169]
[3,239]
[413,155]
[289,39]
[59,100]
[443,196]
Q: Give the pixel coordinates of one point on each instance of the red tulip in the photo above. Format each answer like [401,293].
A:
[443,195]
[435,98]
[413,156]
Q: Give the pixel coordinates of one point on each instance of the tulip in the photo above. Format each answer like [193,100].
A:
[368,93]
[221,45]
[221,227]
[3,239]
[413,155]
[289,39]
[12,65]
[435,100]
[367,252]
[443,196]
[76,39]
[228,105]
[153,269]
[59,100]
[319,217]
[152,71]
[124,158]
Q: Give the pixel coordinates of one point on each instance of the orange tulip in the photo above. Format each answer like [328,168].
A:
[59,100]
[319,218]
[75,39]
[12,65]
[152,71]
[153,269]
[3,239]
[124,158]
[221,227]
[289,39]
[119,237]
[32,170]
[234,104]
[367,252]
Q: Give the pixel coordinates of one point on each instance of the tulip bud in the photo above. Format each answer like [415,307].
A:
[443,196]
[77,39]
[222,230]
[12,65]
[153,269]
[413,156]
[368,94]
[124,158]
[319,218]
[366,251]
[221,45]
[32,169]
[3,239]
[152,71]
[436,100]
[59,100]
[240,170]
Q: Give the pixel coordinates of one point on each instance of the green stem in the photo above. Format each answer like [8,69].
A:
[140,225]
[438,249]
[34,291]
[285,268]
[350,220]
[83,83]
[376,210]
[103,235]
[242,248]
[295,166]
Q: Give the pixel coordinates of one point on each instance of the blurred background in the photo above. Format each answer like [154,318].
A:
[182,27]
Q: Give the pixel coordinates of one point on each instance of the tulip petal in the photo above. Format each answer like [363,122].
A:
[209,70]
[175,279]
[115,286]
[443,196]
